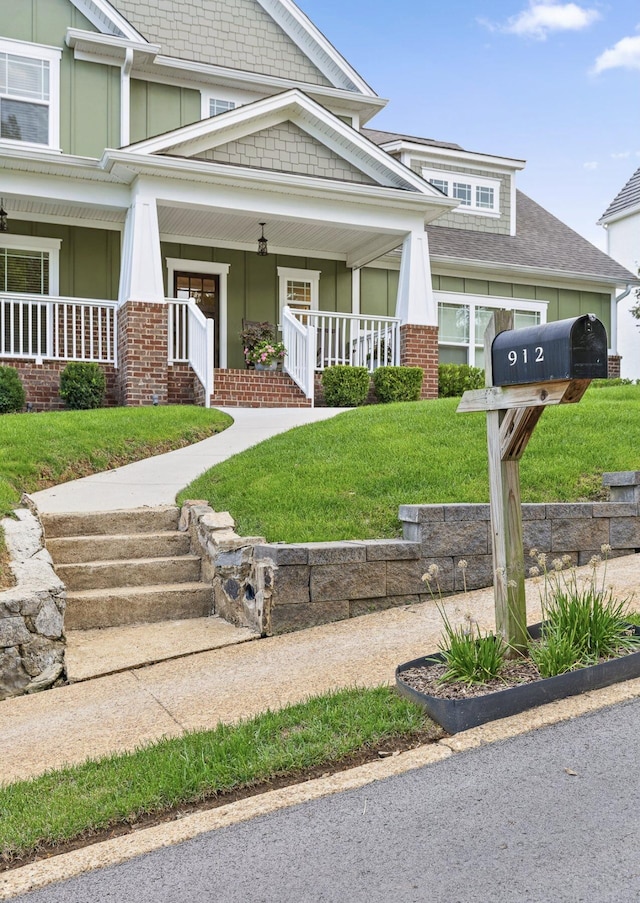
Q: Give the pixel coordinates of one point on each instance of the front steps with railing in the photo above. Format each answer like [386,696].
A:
[256,389]
[134,593]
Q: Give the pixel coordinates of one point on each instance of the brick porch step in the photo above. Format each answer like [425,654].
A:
[256,389]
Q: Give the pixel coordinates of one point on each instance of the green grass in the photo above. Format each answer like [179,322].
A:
[40,450]
[345,478]
[120,789]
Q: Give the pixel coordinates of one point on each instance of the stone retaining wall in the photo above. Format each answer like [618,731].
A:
[279,587]
[32,639]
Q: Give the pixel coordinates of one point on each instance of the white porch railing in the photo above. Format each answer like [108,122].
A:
[369,342]
[191,339]
[300,341]
[73,329]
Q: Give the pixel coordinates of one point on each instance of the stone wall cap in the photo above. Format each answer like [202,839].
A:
[621,478]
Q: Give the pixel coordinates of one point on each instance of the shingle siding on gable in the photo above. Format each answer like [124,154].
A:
[240,35]
[474,222]
[287,148]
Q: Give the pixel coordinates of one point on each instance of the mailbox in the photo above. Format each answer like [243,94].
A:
[565,349]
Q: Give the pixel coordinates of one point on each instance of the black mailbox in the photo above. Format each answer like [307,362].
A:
[565,349]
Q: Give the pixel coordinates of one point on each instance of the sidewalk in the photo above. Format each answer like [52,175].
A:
[122,711]
[156,481]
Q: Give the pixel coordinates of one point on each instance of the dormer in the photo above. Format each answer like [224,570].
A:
[484,185]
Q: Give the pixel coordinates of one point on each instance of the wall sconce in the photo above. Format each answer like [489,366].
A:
[262,243]
[3,217]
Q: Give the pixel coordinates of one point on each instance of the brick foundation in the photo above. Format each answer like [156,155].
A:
[42,383]
[142,353]
[419,348]
[614,366]
[256,389]
[181,382]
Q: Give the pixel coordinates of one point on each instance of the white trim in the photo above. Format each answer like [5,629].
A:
[486,161]
[355,291]
[52,55]
[211,269]
[475,182]
[297,274]
[102,14]
[125,98]
[33,243]
[238,98]
[461,299]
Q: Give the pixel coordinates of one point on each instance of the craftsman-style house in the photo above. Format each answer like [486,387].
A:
[147,145]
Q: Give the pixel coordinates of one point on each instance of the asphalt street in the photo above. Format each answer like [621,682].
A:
[551,816]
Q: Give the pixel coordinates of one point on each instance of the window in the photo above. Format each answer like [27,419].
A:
[29,80]
[29,265]
[298,288]
[217,106]
[461,326]
[476,194]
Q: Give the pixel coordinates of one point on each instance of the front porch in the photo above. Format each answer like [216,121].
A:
[164,353]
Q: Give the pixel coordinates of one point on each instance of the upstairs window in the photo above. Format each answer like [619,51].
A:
[217,106]
[29,80]
[475,194]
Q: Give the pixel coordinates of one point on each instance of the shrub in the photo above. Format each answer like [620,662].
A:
[12,397]
[455,379]
[345,386]
[397,383]
[82,386]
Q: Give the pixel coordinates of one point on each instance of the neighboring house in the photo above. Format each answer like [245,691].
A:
[146,146]
[621,219]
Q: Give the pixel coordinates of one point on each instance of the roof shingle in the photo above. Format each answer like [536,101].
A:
[543,242]
[627,197]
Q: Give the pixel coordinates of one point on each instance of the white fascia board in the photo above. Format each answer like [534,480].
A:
[486,161]
[528,275]
[315,45]
[620,214]
[94,47]
[107,19]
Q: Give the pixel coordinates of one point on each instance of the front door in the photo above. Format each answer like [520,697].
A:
[205,290]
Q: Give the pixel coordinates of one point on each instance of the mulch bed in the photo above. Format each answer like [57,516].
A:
[428,679]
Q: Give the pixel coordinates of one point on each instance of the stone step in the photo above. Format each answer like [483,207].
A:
[77,549]
[94,653]
[120,606]
[129,572]
[109,523]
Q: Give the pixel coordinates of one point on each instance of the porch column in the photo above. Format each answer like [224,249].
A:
[143,313]
[418,313]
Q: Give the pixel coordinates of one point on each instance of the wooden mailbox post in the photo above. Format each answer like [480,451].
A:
[525,370]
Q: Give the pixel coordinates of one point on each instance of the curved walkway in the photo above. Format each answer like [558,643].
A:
[157,480]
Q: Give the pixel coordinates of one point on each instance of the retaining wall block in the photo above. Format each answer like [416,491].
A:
[576,535]
[536,534]
[368,606]
[291,584]
[348,581]
[287,618]
[624,532]
[463,538]
[405,577]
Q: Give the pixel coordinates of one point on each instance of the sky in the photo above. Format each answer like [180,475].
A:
[556,84]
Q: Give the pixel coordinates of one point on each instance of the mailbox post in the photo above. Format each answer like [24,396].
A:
[525,370]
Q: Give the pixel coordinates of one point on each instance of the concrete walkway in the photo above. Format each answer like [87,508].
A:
[122,711]
[156,481]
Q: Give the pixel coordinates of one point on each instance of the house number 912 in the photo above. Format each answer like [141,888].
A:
[538,351]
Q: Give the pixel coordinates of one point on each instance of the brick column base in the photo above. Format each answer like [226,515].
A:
[614,366]
[419,348]
[142,353]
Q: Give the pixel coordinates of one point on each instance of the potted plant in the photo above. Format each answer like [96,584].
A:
[265,355]
[585,642]
[255,332]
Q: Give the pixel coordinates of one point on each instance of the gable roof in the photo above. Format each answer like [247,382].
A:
[271,37]
[543,243]
[380,138]
[313,119]
[627,199]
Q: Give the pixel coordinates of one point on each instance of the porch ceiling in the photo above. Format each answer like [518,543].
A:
[306,236]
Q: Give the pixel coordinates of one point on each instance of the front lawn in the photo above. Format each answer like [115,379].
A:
[345,478]
[40,450]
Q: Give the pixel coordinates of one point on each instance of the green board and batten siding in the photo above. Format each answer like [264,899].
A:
[89,93]
[252,285]
[157,108]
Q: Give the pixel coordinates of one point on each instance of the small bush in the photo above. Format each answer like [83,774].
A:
[12,397]
[455,379]
[82,386]
[345,386]
[614,381]
[397,383]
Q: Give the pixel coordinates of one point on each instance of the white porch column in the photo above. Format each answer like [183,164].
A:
[415,303]
[141,268]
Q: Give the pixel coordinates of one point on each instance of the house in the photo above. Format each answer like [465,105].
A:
[147,146]
[621,219]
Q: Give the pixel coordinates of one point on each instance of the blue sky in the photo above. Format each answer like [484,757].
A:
[556,84]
